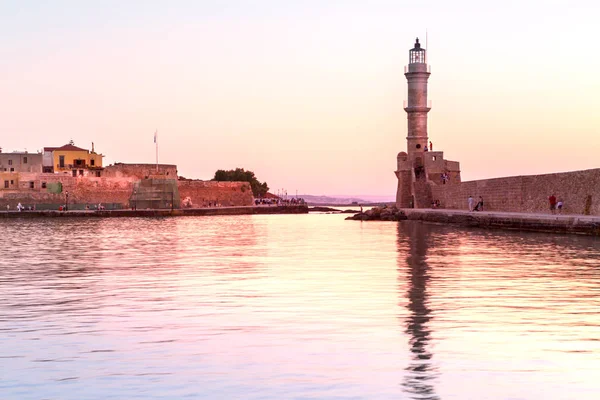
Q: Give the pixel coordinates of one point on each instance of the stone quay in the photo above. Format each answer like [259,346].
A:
[183,212]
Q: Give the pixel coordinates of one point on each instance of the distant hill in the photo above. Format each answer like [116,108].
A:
[345,200]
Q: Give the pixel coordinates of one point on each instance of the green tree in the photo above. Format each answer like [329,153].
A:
[259,189]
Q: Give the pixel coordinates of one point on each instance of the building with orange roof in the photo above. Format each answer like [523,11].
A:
[70,159]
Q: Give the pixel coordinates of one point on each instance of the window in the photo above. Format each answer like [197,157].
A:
[31,185]
[12,170]
[24,160]
[12,182]
[61,161]
[418,146]
[74,172]
[92,162]
[98,174]
[9,162]
[5,184]
[43,185]
[81,172]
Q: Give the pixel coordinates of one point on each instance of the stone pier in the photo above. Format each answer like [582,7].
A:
[184,212]
[553,223]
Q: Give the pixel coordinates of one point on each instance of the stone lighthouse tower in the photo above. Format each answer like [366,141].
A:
[420,170]
[417,108]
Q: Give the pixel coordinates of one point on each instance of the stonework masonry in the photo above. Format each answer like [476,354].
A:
[202,193]
[140,171]
[115,189]
[82,191]
[579,190]
[419,167]
[427,179]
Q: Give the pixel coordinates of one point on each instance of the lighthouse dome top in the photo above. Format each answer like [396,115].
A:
[417,54]
[417,45]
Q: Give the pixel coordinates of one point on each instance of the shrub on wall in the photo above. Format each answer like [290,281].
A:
[259,189]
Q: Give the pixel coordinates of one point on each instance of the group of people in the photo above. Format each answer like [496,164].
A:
[555,204]
[97,207]
[258,202]
[473,206]
[278,202]
[21,207]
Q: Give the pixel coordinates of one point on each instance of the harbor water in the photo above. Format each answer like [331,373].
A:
[294,307]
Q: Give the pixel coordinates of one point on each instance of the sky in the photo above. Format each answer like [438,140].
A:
[307,94]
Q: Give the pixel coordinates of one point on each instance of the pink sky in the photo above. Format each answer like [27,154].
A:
[308,95]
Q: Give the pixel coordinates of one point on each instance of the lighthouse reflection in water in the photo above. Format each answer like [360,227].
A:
[421,370]
[294,306]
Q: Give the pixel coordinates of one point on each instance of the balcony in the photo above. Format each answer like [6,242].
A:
[405,105]
[406,68]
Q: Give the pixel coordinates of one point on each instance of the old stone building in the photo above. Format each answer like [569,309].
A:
[73,160]
[420,169]
[13,165]
[20,161]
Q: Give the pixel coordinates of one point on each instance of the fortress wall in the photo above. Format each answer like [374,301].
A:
[403,193]
[224,193]
[498,194]
[526,193]
[140,171]
[572,187]
[82,190]
[102,190]
[117,190]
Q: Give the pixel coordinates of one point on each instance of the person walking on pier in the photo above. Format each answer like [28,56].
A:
[552,201]
[559,205]
[470,202]
[479,206]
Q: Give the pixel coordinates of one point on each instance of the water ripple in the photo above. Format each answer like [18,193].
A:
[294,306]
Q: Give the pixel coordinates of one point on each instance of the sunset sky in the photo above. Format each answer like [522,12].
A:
[307,94]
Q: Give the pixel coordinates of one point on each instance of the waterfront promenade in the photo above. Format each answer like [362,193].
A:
[536,222]
[554,223]
[233,210]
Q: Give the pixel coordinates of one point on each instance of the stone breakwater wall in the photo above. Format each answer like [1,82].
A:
[551,223]
[582,225]
[202,193]
[579,190]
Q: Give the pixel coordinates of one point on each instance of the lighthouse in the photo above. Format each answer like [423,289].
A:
[417,74]
[422,173]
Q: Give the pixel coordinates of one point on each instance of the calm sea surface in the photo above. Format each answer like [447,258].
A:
[294,307]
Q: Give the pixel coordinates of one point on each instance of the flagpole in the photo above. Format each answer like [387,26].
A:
[156,142]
